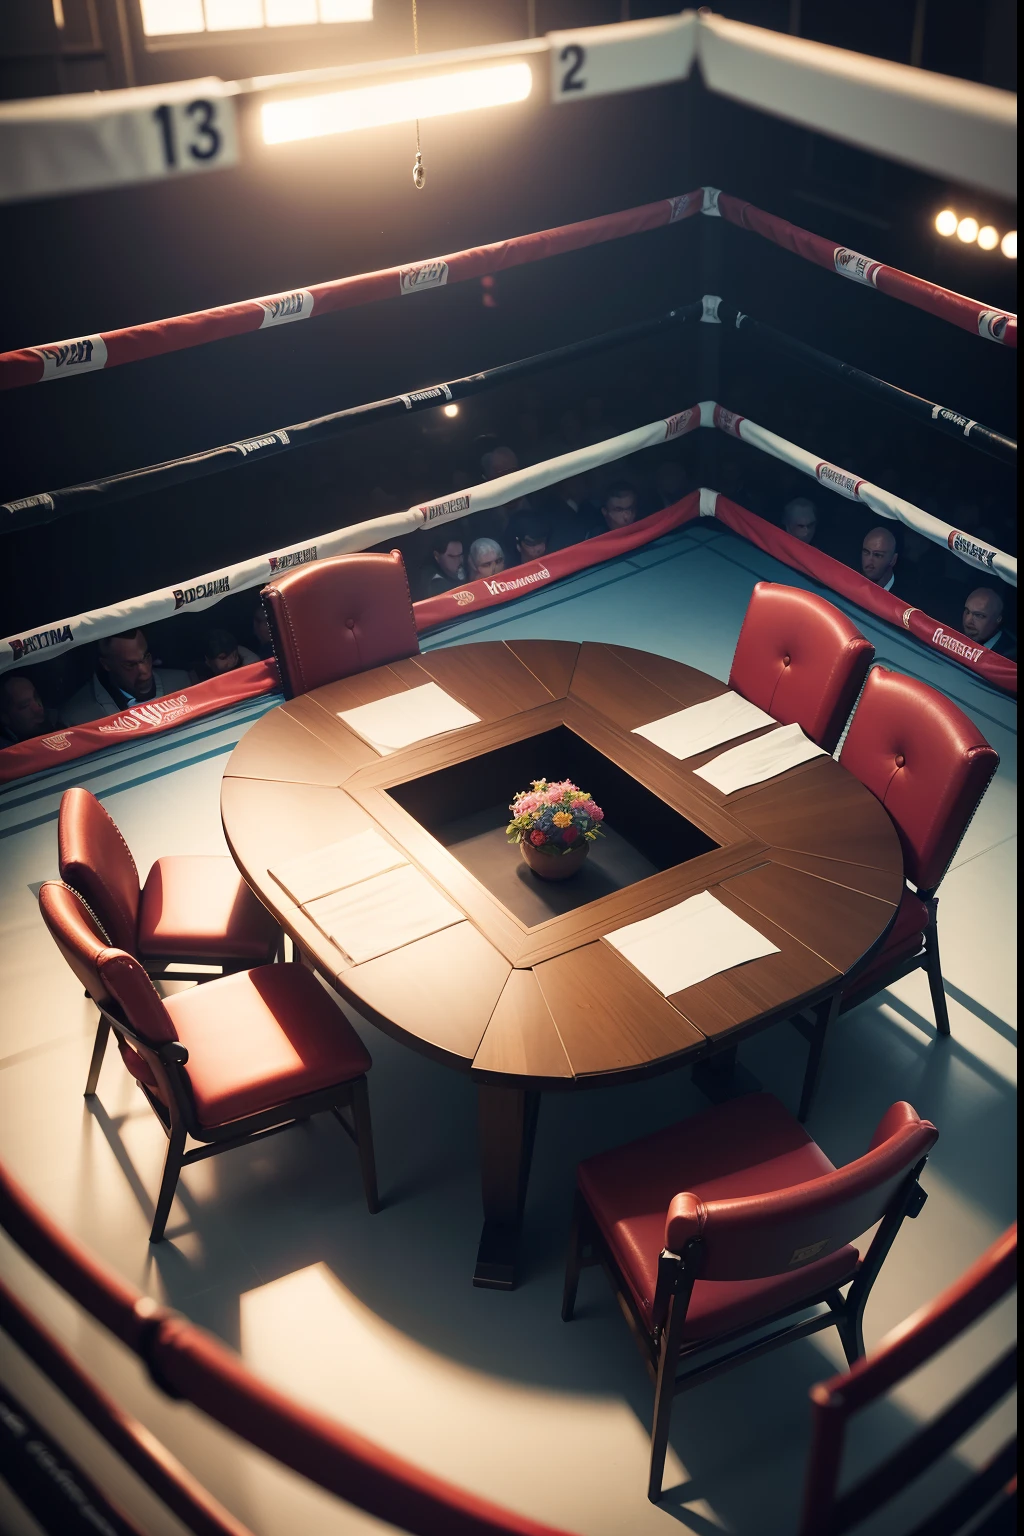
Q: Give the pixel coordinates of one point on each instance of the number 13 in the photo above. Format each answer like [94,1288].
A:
[208,139]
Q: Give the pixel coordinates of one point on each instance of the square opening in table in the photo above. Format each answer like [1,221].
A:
[466,808]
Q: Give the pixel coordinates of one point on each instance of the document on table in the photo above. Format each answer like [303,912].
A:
[383,913]
[755,761]
[704,726]
[337,866]
[688,943]
[412,715]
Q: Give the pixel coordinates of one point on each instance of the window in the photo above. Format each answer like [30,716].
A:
[164,18]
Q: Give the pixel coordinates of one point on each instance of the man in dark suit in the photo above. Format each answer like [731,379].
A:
[878,558]
[983,622]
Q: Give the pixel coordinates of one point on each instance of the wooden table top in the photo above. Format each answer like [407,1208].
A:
[809,858]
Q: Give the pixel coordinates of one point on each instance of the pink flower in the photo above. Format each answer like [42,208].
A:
[538,839]
[593,810]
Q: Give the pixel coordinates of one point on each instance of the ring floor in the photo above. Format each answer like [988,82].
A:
[373,1319]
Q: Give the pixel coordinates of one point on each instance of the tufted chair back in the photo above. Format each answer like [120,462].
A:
[801,660]
[336,617]
[927,763]
[96,862]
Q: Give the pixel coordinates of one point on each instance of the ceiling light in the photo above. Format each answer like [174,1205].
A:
[451,410]
[946,222]
[1008,245]
[311,117]
[966,230]
[988,237]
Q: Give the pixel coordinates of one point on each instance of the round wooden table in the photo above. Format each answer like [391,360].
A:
[521,993]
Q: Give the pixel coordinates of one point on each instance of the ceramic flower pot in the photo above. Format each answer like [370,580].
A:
[555,866]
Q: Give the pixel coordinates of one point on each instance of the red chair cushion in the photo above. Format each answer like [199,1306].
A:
[927,763]
[801,660]
[198,907]
[96,862]
[340,616]
[747,1146]
[905,938]
[260,1038]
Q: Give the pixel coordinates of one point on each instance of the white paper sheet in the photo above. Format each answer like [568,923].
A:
[337,866]
[382,913]
[755,761]
[688,943]
[402,718]
[704,726]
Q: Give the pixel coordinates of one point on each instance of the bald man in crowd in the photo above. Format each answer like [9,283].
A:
[983,622]
[878,558]
[800,518]
[22,712]
[125,675]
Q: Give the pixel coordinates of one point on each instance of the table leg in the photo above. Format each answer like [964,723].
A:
[720,1077]
[508,1122]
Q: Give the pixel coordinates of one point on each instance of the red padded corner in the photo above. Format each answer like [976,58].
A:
[96,862]
[260,1038]
[340,616]
[927,763]
[801,660]
[198,907]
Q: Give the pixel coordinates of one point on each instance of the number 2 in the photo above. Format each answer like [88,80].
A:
[573,55]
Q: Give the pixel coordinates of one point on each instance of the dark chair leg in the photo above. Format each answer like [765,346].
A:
[574,1258]
[664,1396]
[99,1046]
[364,1141]
[826,1013]
[933,966]
[169,1182]
[850,1329]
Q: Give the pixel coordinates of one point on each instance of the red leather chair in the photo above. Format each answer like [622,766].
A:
[735,1219]
[801,660]
[339,616]
[224,1064]
[991,1491]
[929,765]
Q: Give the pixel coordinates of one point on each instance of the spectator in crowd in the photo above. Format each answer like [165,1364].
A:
[261,632]
[800,519]
[222,653]
[486,559]
[983,622]
[532,536]
[878,558]
[670,481]
[618,509]
[22,712]
[499,461]
[124,675]
[447,568]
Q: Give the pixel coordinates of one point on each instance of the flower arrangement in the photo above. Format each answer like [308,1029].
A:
[554,818]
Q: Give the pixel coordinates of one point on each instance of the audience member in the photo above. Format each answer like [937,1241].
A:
[486,559]
[983,622]
[499,461]
[532,536]
[261,633]
[447,568]
[22,712]
[222,653]
[618,509]
[800,519]
[878,558]
[124,675]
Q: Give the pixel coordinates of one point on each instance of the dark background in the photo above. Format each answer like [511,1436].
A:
[307,212]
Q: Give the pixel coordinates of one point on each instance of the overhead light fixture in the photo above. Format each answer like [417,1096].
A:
[1008,245]
[967,231]
[402,101]
[988,237]
[451,410]
[946,222]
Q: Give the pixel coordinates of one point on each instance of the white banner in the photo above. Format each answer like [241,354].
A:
[627,56]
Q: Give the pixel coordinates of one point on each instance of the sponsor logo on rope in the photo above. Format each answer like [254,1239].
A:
[860,269]
[992,323]
[82,355]
[28,502]
[496,588]
[838,480]
[728,421]
[464,598]
[683,206]
[957,647]
[960,544]
[293,557]
[943,413]
[439,392]
[423,274]
[42,640]
[682,422]
[254,444]
[58,742]
[452,506]
[906,616]
[283,308]
[202,592]
[159,712]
